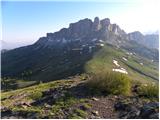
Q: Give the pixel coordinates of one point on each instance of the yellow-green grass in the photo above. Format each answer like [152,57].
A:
[30,92]
[110,82]
[102,60]
[149,90]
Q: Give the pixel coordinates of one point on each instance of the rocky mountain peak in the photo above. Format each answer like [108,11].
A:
[80,28]
[96,24]
[85,30]
[105,22]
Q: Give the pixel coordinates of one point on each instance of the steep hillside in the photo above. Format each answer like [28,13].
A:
[138,68]
[43,64]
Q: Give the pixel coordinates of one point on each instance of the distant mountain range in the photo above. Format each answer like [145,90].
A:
[149,40]
[12,45]
[65,52]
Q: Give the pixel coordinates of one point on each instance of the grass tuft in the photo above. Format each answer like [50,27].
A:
[81,113]
[36,95]
[74,116]
[110,82]
[149,90]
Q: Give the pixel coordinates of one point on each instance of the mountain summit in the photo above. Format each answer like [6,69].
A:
[85,31]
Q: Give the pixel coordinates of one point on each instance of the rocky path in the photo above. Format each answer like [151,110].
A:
[103,108]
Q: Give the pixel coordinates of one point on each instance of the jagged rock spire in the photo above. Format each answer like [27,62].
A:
[96,24]
[105,22]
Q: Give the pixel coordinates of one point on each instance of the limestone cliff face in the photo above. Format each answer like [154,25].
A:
[85,31]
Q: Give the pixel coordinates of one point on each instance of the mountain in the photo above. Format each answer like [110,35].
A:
[84,31]
[4,50]
[149,40]
[66,52]
[152,40]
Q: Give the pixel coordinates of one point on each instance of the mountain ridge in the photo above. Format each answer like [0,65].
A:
[86,27]
[148,40]
[83,30]
[65,52]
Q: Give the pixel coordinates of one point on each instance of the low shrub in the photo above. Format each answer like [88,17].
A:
[81,113]
[110,82]
[36,95]
[74,116]
[149,90]
[87,106]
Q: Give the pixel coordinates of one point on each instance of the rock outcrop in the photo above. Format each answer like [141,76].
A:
[132,111]
[96,24]
[84,31]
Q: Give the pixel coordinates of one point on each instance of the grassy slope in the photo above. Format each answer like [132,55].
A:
[35,93]
[10,84]
[41,65]
[102,60]
[33,89]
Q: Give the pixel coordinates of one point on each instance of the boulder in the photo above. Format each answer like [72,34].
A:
[96,113]
[6,112]
[133,113]
[122,106]
[127,110]
[95,99]
[150,110]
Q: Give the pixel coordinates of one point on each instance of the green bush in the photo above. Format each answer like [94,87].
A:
[81,113]
[36,95]
[110,82]
[149,90]
[87,106]
[74,116]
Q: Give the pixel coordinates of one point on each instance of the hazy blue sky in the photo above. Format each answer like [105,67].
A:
[25,22]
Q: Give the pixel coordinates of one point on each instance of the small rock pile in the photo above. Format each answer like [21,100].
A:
[130,111]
